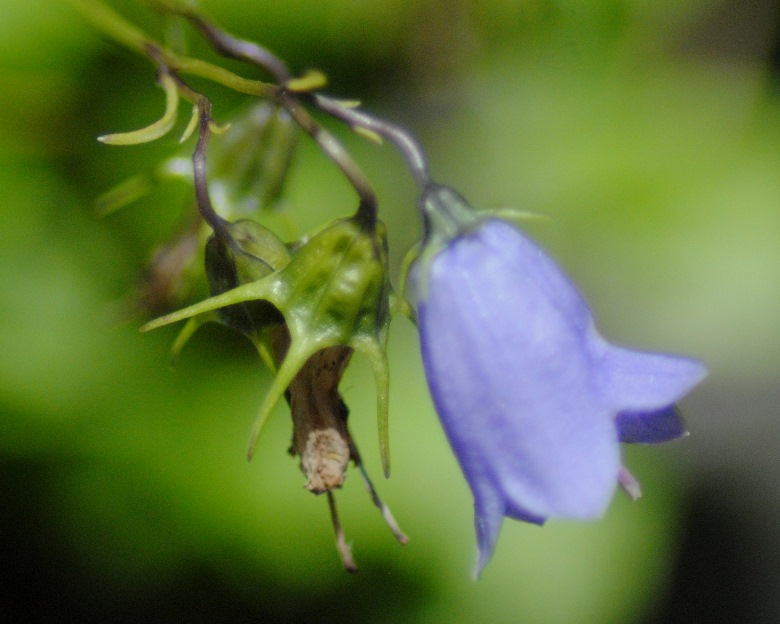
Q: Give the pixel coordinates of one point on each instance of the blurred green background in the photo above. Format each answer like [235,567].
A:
[649,133]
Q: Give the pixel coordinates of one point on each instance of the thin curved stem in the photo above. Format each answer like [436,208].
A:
[116,27]
[367,210]
[410,148]
[230,46]
[205,206]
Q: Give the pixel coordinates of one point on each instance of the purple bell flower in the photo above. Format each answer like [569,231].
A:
[533,400]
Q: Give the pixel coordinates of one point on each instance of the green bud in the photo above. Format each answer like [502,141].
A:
[338,287]
[335,291]
[249,163]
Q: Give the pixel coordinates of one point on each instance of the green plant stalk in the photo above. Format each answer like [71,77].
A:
[114,26]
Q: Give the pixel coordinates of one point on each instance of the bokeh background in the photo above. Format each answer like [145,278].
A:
[647,131]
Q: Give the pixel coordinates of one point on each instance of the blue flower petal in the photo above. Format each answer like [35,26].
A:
[489,509]
[645,382]
[650,427]
[532,399]
[503,347]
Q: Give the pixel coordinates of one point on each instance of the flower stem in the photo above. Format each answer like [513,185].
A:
[230,46]
[116,27]
[205,206]
[367,209]
[410,148]
[233,47]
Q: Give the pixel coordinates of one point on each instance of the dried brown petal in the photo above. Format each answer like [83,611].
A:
[320,435]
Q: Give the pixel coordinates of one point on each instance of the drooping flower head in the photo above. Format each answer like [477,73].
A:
[533,400]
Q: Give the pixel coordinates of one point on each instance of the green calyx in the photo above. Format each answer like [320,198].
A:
[333,291]
[241,253]
[244,252]
[446,216]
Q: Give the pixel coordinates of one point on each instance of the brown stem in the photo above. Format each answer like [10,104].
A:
[367,209]
[205,206]
[240,49]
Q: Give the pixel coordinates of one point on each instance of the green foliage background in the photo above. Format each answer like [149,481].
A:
[650,142]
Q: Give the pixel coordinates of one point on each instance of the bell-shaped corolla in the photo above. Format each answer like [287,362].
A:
[533,400]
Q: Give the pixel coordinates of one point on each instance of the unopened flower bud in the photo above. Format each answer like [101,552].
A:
[249,163]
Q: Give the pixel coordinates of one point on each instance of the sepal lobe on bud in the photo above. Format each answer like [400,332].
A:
[240,253]
[244,252]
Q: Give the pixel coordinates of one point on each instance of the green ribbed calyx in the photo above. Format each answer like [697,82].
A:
[333,292]
[337,285]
